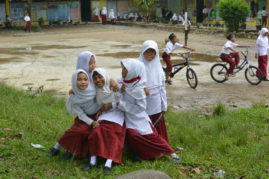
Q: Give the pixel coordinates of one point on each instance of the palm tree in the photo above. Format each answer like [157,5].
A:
[145,6]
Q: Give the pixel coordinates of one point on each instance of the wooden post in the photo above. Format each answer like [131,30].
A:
[186,28]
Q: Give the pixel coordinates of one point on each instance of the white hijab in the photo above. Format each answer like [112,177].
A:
[79,96]
[111,14]
[84,60]
[136,69]
[104,11]
[174,17]
[154,71]
[262,40]
[104,95]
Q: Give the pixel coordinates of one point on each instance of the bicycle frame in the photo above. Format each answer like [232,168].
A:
[180,66]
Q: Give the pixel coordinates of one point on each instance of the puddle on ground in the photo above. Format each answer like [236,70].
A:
[51,91]
[176,61]
[48,56]
[121,55]
[16,51]
[121,46]
[114,67]
[54,79]
[48,47]
[203,57]
[27,84]
[7,60]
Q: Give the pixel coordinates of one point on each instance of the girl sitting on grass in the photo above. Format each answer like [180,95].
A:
[83,104]
[107,140]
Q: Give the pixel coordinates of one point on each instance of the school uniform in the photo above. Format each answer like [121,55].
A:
[112,17]
[131,16]
[264,17]
[170,47]
[104,13]
[142,137]
[174,18]
[262,51]
[107,140]
[82,103]
[181,19]
[96,12]
[157,100]
[204,14]
[27,19]
[227,55]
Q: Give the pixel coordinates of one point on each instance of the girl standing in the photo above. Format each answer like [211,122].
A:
[96,12]
[156,101]
[103,14]
[112,16]
[262,51]
[107,140]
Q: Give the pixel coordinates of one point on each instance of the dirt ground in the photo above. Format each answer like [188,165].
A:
[49,58]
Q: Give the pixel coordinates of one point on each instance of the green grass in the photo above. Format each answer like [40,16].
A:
[236,141]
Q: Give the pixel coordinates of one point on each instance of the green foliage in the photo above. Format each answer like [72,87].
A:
[233,12]
[236,142]
[145,6]
[36,27]
[219,110]
[33,93]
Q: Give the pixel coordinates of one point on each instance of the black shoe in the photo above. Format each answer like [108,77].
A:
[137,158]
[67,156]
[53,152]
[107,170]
[88,167]
[265,79]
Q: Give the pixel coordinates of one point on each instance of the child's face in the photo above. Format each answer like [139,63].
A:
[265,34]
[124,72]
[92,64]
[233,39]
[99,81]
[174,40]
[149,54]
[82,81]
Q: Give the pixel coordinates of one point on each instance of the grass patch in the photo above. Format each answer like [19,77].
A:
[236,141]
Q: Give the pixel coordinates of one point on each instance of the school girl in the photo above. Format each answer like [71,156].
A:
[112,16]
[142,137]
[156,101]
[104,14]
[96,12]
[107,140]
[174,19]
[171,46]
[82,103]
[262,51]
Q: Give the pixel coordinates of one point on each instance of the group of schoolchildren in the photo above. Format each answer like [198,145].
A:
[109,111]
[132,107]
[112,16]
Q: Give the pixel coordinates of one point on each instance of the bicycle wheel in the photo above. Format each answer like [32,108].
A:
[253,75]
[218,72]
[191,78]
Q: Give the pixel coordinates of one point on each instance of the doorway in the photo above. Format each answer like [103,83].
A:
[86,10]
[199,14]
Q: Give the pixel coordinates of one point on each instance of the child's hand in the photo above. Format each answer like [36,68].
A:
[99,113]
[70,92]
[192,49]
[256,55]
[106,107]
[173,54]
[95,124]
[122,89]
[113,85]
[146,91]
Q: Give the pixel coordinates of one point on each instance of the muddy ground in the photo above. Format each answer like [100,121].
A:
[48,59]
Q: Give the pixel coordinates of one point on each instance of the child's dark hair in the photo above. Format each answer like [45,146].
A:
[95,73]
[172,36]
[230,36]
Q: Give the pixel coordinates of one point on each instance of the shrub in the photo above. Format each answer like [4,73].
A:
[233,12]
[145,7]
[219,110]
[36,28]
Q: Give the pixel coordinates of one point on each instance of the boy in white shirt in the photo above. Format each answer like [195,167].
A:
[228,52]
[27,19]
[171,46]
[264,16]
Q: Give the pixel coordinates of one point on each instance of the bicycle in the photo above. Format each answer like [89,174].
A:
[252,74]
[190,73]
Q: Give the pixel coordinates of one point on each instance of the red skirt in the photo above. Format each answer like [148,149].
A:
[169,64]
[96,18]
[148,146]
[104,19]
[107,141]
[160,126]
[75,139]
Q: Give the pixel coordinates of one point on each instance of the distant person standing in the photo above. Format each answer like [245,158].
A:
[104,13]
[96,12]
[204,13]
[27,20]
[264,17]
[112,16]
[174,19]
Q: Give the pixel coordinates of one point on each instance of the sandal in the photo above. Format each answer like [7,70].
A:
[226,76]
[169,82]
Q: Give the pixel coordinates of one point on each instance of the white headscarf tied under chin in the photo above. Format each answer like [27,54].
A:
[79,96]
[104,95]
[154,71]
[134,82]
[84,60]
[262,40]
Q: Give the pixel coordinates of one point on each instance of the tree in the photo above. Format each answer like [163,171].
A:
[145,6]
[233,12]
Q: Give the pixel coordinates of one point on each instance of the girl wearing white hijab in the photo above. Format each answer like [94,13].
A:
[82,103]
[107,140]
[142,137]
[262,51]
[96,12]
[112,16]
[156,101]
[103,14]
[174,18]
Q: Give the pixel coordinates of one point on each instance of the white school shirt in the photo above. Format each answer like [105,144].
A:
[135,114]
[27,18]
[114,114]
[157,100]
[96,12]
[262,50]
[170,47]
[174,18]
[205,11]
[263,13]
[88,108]
[225,49]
